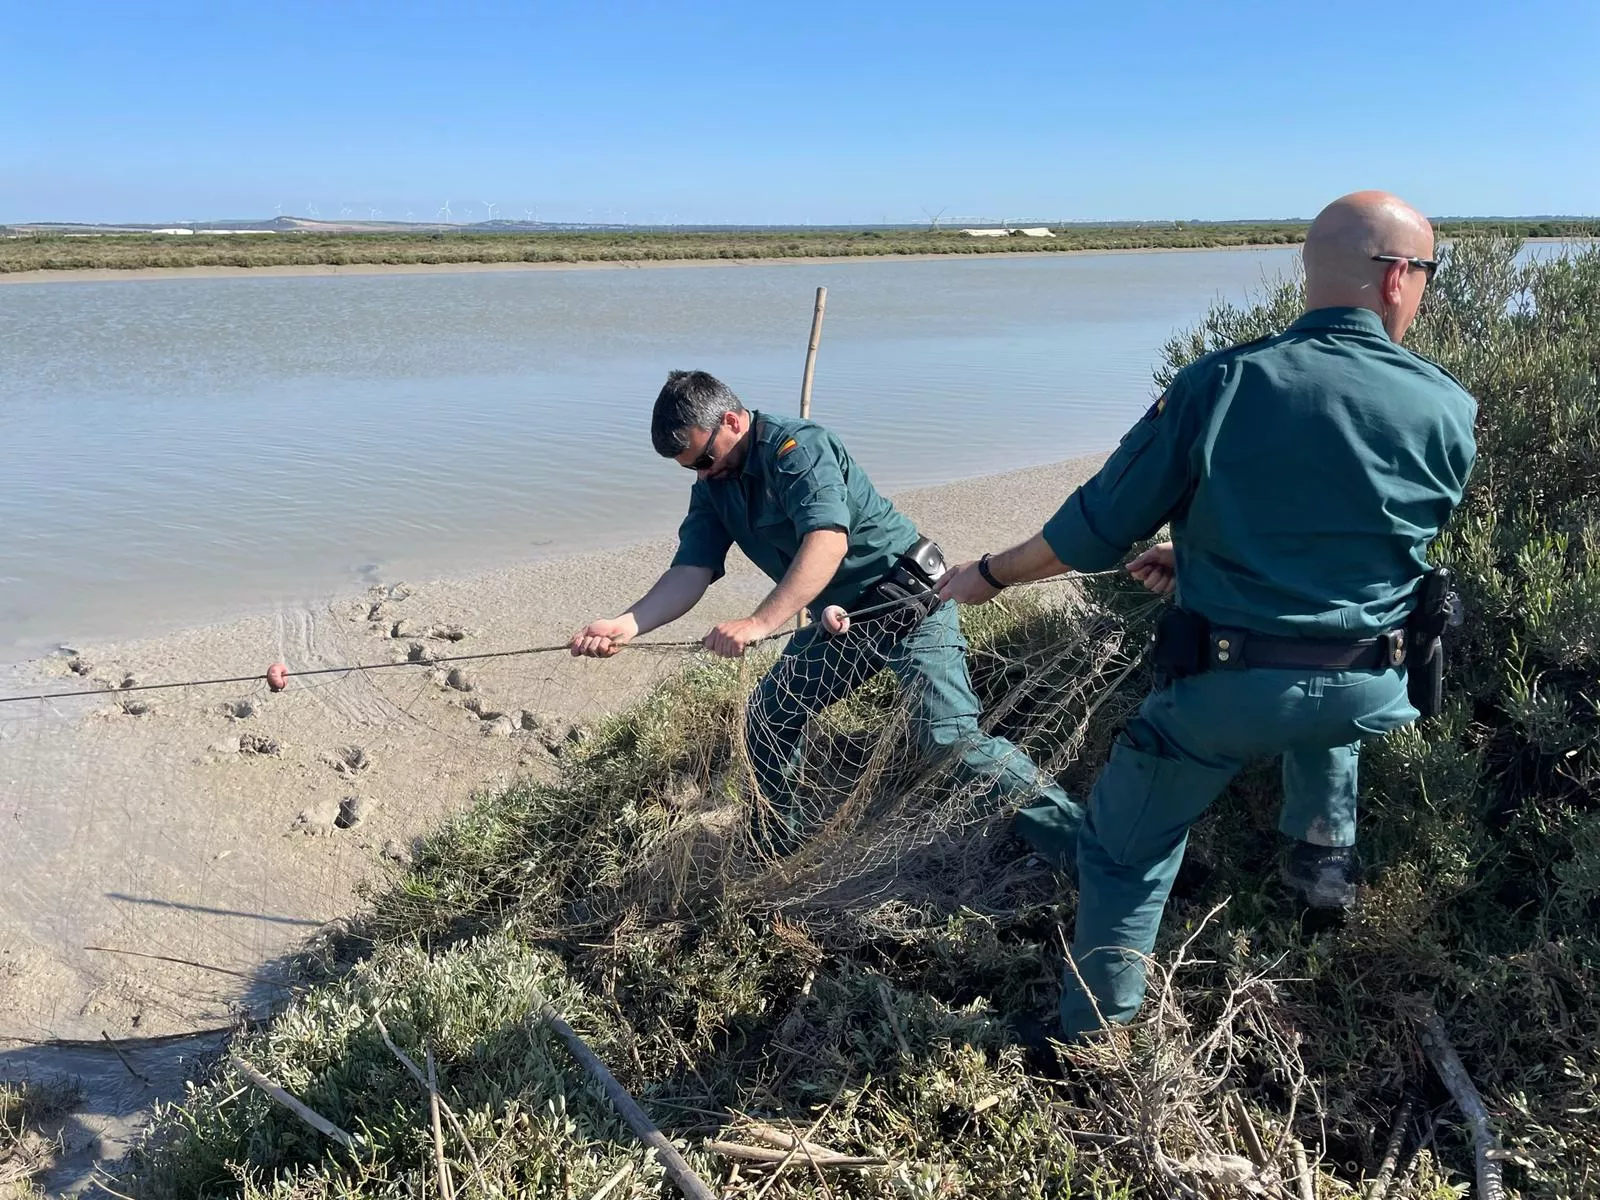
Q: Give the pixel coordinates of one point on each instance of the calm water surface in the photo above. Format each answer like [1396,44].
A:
[176,450]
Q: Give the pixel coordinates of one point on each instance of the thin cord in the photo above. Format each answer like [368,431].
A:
[859,614]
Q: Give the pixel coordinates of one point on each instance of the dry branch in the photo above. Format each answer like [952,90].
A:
[449,1113]
[690,1184]
[768,1154]
[1391,1154]
[447,1188]
[1452,1072]
[321,1124]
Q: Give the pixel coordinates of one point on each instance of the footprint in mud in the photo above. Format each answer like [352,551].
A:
[352,811]
[239,710]
[347,760]
[259,743]
[136,708]
[319,820]
[78,666]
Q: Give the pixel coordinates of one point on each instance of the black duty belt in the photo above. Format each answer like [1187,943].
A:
[1187,644]
[1243,648]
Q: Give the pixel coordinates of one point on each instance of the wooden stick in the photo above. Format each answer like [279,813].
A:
[449,1113]
[321,1124]
[767,1154]
[1391,1155]
[1436,1045]
[447,1187]
[611,1184]
[1252,1140]
[781,1139]
[690,1184]
[117,1050]
[1308,1187]
[811,353]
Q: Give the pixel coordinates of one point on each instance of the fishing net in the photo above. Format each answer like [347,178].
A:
[897,797]
[171,848]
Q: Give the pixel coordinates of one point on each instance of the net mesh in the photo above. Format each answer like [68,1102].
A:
[169,850]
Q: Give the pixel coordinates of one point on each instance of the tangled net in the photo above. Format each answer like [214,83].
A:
[891,831]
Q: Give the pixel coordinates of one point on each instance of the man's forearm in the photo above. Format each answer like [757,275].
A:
[1033,559]
[675,593]
[813,568]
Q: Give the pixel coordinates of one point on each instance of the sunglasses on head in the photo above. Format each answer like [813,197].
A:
[1430,265]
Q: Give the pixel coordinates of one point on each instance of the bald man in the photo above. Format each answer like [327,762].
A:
[1304,477]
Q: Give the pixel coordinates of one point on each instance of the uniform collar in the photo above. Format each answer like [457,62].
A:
[1353,320]
[759,428]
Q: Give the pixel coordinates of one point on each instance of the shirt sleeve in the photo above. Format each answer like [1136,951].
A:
[703,539]
[1135,492]
[809,483]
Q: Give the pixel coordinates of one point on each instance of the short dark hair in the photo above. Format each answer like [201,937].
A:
[689,400]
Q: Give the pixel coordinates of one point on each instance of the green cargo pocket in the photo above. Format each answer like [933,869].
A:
[1147,797]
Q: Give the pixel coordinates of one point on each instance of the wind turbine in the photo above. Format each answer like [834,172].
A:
[444,212]
[312,209]
[489,208]
[345,211]
[279,213]
[375,213]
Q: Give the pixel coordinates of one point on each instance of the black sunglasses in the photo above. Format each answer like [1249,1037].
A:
[1430,265]
[706,459]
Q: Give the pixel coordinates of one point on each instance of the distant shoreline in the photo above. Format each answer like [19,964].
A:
[296,270]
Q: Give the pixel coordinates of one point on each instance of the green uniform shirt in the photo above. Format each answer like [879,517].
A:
[797,478]
[1304,476]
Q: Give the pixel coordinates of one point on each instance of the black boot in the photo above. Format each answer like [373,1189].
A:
[1322,876]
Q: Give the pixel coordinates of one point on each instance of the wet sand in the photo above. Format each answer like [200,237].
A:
[203,824]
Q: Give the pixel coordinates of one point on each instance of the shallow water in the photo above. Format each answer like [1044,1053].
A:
[177,450]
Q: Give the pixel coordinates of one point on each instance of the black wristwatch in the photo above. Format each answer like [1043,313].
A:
[983,569]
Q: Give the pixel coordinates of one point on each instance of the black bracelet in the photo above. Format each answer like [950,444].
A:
[983,569]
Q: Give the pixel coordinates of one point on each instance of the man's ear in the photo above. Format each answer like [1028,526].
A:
[1393,287]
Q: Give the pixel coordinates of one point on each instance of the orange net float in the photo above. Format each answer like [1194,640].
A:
[277,677]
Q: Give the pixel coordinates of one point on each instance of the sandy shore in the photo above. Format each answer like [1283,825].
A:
[134,831]
[294,270]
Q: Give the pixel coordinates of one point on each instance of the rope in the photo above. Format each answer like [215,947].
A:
[352,668]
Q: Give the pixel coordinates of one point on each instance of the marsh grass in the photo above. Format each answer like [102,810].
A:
[890,1035]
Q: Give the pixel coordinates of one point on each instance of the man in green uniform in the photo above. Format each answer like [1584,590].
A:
[789,494]
[1304,476]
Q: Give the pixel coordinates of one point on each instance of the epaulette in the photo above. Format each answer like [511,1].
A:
[1440,367]
[1224,352]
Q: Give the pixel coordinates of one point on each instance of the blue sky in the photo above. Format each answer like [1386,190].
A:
[820,112]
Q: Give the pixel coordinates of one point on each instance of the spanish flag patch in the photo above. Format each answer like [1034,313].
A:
[786,447]
[1156,409]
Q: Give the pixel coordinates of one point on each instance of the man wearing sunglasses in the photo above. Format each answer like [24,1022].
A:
[1304,476]
[787,492]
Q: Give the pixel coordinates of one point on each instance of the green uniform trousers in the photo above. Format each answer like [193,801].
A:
[930,660]
[1172,759]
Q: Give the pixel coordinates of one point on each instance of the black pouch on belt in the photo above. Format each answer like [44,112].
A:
[1182,644]
[1425,629]
[908,589]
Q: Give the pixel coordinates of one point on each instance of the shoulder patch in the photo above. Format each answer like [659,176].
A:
[1156,409]
[788,445]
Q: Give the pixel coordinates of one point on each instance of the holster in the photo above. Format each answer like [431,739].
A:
[1435,610]
[909,589]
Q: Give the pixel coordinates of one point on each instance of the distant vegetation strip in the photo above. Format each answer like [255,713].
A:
[56,252]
